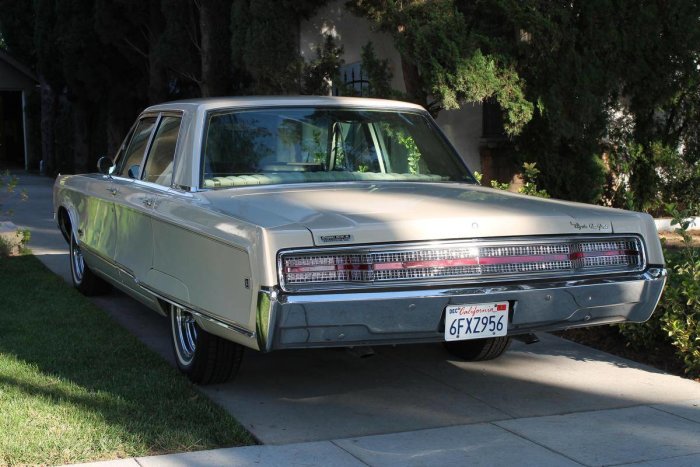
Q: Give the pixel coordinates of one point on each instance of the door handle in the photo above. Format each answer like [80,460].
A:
[113,191]
[148,202]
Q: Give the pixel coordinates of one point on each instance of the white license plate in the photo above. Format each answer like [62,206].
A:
[476,321]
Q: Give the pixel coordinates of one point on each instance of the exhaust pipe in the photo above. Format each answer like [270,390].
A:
[528,338]
[360,352]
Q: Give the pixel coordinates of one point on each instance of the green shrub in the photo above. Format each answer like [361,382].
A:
[5,248]
[530,175]
[8,191]
[679,311]
[677,317]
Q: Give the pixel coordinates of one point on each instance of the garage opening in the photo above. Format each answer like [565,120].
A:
[11,130]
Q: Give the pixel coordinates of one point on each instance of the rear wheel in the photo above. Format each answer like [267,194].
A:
[475,350]
[203,357]
[83,278]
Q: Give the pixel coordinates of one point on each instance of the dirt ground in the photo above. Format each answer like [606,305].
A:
[674,240]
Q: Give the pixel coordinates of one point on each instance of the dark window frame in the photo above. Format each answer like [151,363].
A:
[151,141]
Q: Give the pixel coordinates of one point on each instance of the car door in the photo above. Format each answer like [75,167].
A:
[133,205]
[157,179]
[97,219]
[96,224]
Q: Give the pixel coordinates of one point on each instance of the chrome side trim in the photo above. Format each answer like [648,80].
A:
[196,311]
[109,261]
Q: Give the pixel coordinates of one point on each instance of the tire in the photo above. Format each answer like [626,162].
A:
[203,357]
[477,350]
[83,278]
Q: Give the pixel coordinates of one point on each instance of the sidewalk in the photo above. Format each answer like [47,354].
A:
[659,435]
[552,403]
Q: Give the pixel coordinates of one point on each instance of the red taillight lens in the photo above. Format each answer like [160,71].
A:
[460,261]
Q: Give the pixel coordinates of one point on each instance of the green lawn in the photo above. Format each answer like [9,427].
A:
[76,387]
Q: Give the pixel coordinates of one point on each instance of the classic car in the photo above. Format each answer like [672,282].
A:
[300,222]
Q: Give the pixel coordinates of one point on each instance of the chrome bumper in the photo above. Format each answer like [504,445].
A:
[354,318]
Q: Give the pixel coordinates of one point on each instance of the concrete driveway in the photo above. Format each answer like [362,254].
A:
[552,403]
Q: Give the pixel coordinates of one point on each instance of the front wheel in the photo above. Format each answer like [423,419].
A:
[475,350]
[83,278]
[203,357]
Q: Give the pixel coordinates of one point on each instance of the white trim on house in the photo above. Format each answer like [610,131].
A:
[664,224]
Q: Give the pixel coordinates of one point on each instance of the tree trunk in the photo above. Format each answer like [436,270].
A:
[157,77]
[215,44]
[115,133]
[81,137]
[47,125]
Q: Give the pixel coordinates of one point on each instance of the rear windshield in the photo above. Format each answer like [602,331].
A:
[307,145]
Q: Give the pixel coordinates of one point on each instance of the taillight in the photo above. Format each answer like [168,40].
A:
[455,261]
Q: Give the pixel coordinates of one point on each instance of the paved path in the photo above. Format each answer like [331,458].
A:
[552,403]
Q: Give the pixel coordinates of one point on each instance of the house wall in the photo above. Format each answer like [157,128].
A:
[352,33]
[463,127]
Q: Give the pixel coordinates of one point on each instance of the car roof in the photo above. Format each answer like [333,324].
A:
[213,103]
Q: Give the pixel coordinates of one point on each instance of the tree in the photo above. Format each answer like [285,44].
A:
[265,42]
[16,18]
[561,70]
[86,71]
[134,29]
[444,56]
[270,53]
[570,63]
[662,84]
[195,46]
[321,73]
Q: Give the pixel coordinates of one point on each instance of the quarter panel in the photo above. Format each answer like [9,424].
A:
[210,255]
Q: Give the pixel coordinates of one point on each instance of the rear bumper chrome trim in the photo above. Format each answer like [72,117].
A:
[370,317]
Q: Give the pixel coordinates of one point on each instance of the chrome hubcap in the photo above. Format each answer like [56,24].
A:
[78,262]
[185,334]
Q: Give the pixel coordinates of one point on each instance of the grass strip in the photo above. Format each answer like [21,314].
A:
[76,387]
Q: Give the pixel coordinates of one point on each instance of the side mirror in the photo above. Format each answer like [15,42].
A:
[105,165]
[134,171]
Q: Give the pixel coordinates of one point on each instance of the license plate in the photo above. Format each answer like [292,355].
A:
[476,321]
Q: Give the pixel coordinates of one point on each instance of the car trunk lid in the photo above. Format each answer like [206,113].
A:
[361,213]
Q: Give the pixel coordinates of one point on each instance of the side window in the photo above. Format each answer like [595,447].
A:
[159,165]
[122,149]
[134,152]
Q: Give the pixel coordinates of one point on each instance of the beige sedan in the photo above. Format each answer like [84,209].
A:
[283,223]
